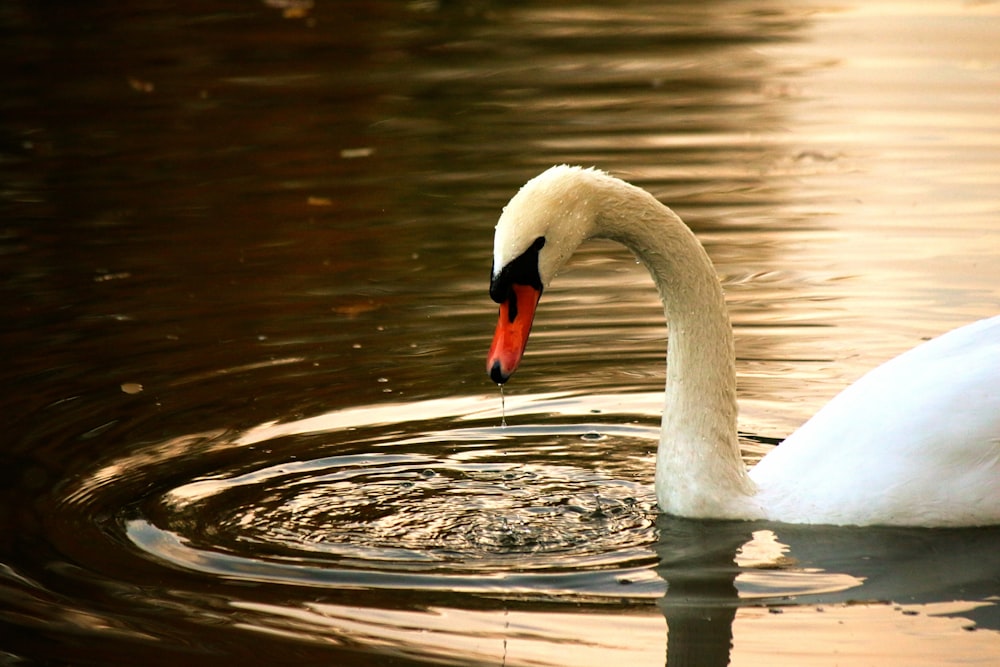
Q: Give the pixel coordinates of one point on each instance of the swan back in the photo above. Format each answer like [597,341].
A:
[916,441]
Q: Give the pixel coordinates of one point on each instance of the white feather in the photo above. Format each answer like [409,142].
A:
[914,442]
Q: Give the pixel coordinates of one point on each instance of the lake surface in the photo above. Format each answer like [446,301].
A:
[245,252]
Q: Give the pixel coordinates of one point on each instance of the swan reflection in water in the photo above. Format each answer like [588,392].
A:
[710,576]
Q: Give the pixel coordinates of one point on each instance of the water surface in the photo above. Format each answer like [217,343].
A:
[245,251]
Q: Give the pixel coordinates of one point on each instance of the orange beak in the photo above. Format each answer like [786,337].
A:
[513,327]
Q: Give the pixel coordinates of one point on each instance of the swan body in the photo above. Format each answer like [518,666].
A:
[914,442]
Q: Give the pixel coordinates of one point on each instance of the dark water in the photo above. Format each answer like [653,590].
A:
[244,265]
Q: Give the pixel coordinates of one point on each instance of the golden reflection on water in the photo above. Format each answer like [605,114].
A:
[858,635]
[919,635]
[457,636]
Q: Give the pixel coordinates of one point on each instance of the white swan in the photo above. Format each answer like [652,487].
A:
[914,442]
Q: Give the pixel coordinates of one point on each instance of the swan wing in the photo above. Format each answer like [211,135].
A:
[915,441]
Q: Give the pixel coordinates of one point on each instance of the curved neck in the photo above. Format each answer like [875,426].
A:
[699,471]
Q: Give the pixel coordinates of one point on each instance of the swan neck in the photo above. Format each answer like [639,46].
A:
[700,472]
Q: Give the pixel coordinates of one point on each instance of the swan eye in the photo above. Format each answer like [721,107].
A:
[523,270]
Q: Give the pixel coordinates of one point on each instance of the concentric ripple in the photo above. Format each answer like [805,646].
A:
[402,496]
[409,509]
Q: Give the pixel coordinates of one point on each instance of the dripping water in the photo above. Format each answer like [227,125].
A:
[503,409]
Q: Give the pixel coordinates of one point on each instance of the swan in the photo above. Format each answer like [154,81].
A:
[914,442]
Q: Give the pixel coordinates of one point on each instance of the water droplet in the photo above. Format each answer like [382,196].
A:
[598,513]
[503,409]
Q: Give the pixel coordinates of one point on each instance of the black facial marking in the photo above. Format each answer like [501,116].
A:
[521,271]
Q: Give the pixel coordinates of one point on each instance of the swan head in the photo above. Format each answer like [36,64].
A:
[538,231]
